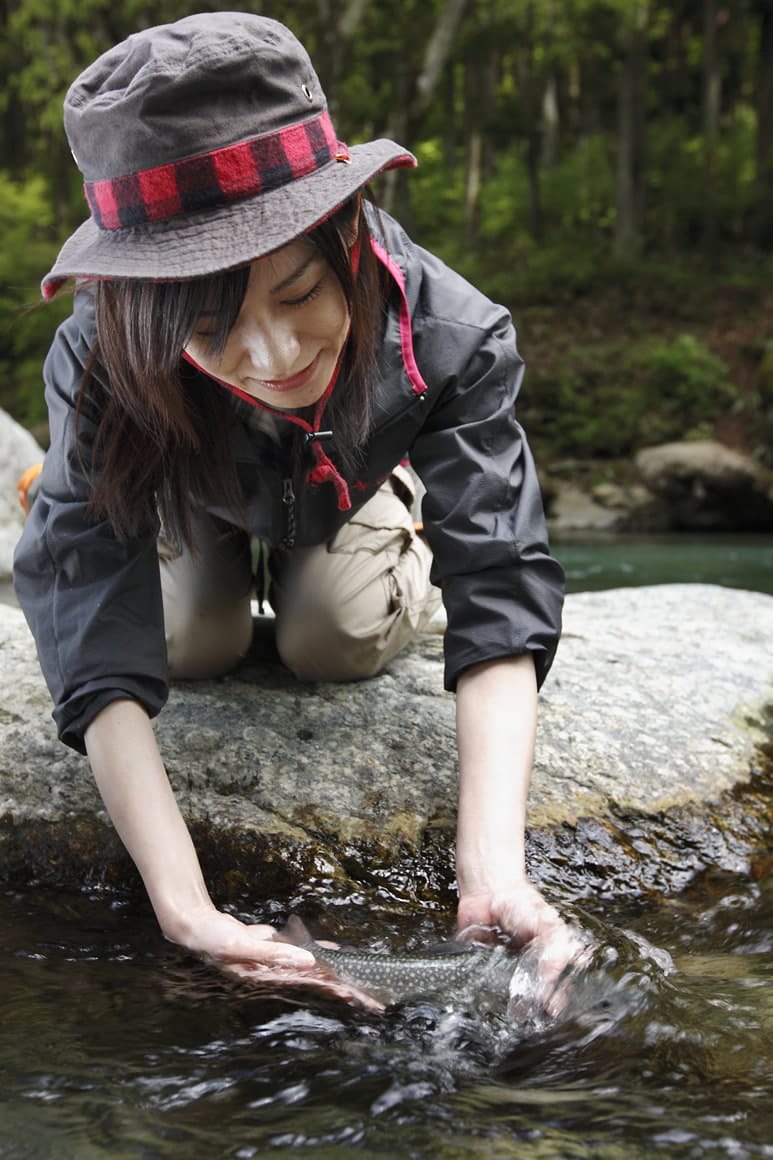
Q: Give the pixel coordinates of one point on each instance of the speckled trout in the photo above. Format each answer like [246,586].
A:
[452,970]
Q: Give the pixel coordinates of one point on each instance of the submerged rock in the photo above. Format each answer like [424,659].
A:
[654,711]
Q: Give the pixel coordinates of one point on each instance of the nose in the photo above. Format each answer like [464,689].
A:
[269,347]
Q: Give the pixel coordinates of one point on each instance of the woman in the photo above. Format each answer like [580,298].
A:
[252,353]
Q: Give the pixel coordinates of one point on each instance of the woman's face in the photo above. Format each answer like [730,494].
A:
[293,323]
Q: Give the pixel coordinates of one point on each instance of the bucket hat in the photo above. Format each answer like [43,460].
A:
[204,144]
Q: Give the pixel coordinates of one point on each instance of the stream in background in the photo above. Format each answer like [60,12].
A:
[114,1044]
[622,561]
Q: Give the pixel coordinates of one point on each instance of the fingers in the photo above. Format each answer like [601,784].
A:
[266,951]
[258,954]
[482,934]
[225,939]
[549,947]
[277,979]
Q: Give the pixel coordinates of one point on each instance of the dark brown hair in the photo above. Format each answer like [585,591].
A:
[161,441]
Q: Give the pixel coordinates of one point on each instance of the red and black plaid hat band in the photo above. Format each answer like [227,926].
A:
[211,180]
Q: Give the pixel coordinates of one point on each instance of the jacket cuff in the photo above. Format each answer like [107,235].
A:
[506,612]
[75,715]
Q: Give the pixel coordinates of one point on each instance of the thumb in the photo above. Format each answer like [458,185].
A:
[261,944]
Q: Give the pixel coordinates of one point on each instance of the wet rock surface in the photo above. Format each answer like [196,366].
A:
[651,764]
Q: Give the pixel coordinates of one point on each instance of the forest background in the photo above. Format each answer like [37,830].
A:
[603,167]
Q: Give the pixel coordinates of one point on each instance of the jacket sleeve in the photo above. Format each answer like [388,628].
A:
[93,602]
[483,512]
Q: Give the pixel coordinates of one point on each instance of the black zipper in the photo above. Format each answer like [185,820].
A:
[288,499]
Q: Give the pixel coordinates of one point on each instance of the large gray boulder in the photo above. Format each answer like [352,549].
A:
[655,708]
[18,451]
[689,486]
[706,486]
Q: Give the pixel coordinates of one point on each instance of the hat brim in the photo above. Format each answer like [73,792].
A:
[222,239]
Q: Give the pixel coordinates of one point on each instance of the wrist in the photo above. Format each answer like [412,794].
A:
[490,885]
[489,867]
[180,917]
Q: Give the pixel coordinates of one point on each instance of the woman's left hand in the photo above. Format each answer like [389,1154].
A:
[533,926]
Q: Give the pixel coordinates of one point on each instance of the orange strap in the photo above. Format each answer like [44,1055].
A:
[25,483]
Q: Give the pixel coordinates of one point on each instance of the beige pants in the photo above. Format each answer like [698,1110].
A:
[343,609]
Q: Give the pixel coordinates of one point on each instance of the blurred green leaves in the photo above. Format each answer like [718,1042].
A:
[519,143]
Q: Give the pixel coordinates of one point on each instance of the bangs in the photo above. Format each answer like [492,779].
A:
[213,302]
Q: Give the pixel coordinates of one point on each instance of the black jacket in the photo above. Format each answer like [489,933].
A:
[449,374]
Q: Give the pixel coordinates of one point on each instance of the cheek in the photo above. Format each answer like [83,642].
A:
[331,319]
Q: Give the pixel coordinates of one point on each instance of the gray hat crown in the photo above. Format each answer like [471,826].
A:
[167,111]
[173,92]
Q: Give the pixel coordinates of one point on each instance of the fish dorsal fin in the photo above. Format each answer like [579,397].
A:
[295,932]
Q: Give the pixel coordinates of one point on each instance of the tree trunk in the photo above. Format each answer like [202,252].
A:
[629,197]
[438,51]
[412,102]
[712,98]
[763,226]
[490,69]
[334,39]
[449,121]
[550,122]
[473,151]
[472,186]
[530,91]
[395,191]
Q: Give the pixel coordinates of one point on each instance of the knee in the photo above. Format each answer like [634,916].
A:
[330,644]
[204,643]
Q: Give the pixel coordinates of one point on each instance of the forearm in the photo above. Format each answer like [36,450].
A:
[496,714]
[131,778]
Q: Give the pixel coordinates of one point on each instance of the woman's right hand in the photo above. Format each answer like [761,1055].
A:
[131,777]
[235,944]
[257,953]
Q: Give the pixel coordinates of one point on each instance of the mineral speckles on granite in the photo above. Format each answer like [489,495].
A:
[657,701]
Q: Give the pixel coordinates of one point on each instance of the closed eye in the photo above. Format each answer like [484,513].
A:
[304,298]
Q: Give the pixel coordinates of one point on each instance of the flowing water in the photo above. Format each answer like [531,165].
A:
[115,1044]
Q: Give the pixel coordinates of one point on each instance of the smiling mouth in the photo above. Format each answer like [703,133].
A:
[294,381]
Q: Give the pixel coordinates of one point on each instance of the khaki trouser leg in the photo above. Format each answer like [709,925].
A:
[207,600]
[344,609]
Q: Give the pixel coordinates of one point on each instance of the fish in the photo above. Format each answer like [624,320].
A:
[450,971]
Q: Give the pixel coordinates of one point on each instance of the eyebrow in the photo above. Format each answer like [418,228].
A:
[293,276]
[296,273]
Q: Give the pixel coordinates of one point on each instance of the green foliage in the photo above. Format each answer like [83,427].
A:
[26,328]
[508,263]
[686,386]
[757,407]
[677,180]
[606,400]
[537,236]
